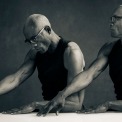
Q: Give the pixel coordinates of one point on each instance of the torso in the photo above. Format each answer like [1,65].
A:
[51,71]
[115,68]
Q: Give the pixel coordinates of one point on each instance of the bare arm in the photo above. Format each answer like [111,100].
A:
[109,105]
[82,80]
[13,80]
[74,62]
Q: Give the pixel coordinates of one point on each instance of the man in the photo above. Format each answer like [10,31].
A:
[110,54]
[57,62]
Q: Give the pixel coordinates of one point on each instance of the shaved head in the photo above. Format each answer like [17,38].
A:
[118,11]
[34,23]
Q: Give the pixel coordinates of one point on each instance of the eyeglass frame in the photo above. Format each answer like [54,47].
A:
[33,38]
[115,18]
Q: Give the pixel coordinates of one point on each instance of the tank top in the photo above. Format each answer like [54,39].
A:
[115,68]
[51,70]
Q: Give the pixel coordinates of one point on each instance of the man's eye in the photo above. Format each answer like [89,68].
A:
[34,39]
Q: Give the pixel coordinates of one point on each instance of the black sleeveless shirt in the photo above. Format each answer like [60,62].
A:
[115,68]
[51,71]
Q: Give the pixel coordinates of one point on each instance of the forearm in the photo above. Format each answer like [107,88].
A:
[79,82]
[71,106]
[68,107]
[115,105]
[8,83]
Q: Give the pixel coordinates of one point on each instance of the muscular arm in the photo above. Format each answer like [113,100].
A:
[83,79]
[13,80]
[74,63]
[109,105]
[80,81]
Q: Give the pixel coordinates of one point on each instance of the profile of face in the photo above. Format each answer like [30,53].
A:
[116,23]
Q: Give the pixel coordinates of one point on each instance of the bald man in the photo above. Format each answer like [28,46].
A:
[110,54]
[57,62]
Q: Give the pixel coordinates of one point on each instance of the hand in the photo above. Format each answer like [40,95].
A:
[99,109]
[57,103]
[24,109]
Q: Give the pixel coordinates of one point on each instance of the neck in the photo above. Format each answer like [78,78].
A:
[54,42]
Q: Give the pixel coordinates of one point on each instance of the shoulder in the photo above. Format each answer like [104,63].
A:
[73,54]
[73,45]
[72,48]
[107,48]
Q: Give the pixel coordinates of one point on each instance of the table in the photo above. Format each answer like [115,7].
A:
[63,117]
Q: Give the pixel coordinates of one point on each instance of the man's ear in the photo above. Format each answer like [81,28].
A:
[48,29]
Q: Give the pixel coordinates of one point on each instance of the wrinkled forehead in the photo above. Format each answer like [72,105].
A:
[118,11]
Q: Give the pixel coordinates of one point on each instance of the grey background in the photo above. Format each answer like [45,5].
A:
[83,21]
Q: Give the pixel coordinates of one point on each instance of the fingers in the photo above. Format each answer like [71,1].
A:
[99,109]
[86,111]
[46,109]
[23,110]
[59,108]
[52,104]
[13,111]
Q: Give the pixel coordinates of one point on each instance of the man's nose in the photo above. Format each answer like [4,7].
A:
[112,23]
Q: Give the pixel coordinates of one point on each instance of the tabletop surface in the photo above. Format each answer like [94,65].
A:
[63,117]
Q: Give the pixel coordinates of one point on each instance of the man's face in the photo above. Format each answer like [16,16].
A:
[40,41]
[116,23]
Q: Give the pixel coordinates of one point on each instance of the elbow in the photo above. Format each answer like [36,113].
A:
[77,106]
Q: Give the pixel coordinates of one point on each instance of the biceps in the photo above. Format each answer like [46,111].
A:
[75,66]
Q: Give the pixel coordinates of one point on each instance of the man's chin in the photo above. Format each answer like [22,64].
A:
[114,36]
[41,51]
